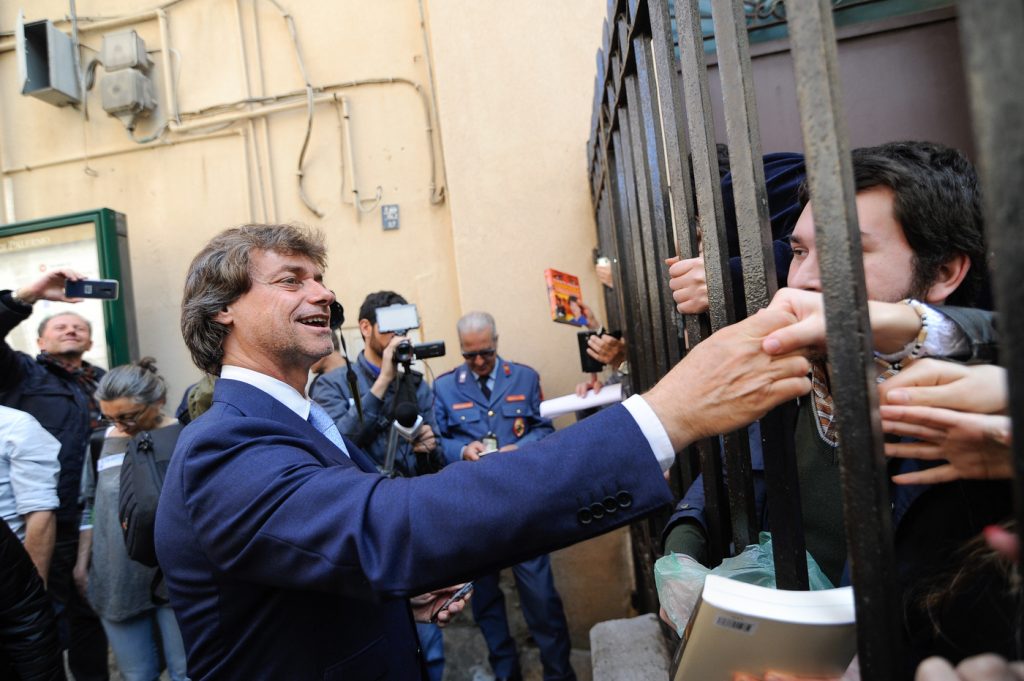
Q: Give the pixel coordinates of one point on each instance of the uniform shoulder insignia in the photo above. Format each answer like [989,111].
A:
[520,365]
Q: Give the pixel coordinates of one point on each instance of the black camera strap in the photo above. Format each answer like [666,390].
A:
[353,381]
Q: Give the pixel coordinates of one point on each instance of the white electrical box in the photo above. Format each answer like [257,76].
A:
[46,62]
[124,50]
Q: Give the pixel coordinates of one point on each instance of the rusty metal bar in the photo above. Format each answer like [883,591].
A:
[648,210]
[677,150]
[992,33]
[759,284]
[743,133]
[866,502]
[625,211]
[608,248]
[744,139]
[680,183]
[635,241]
[610,222]
[667,332]
[705,163]
[638,347]
[741,517]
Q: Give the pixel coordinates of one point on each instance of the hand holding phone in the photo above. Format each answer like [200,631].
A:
[50,286]
[462,593]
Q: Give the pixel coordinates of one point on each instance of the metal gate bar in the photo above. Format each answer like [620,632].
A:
[866,503]
[646,121]
[992,33]
[716,259]
[667,331]
[750,197]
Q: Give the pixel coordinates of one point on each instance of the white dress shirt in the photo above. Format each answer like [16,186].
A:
[279,390]
[645,417]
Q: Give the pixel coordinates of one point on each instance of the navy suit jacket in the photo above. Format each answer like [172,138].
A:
[285,559]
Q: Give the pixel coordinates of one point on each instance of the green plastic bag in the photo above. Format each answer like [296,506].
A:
[680,579]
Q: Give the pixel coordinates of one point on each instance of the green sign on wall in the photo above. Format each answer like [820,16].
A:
[94,243]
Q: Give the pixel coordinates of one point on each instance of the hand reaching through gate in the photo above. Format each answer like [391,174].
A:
[689,284]
[975,446]
[952,411]
[727,381]
[987,667]
[978,388]
[893,325]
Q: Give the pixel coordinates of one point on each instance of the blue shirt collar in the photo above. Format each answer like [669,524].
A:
[367,364]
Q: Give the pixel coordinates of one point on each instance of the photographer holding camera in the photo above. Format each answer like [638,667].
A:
[367,417]
[382,387]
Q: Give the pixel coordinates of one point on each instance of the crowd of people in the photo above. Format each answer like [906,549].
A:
[300,534]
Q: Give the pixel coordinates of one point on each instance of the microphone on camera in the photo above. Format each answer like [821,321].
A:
[407,422]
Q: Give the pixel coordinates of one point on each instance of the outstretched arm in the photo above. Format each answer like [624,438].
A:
[727,381]
[893,325]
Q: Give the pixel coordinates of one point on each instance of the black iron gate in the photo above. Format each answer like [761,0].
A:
[655,183]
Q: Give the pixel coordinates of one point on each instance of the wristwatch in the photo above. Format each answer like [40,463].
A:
[15,299]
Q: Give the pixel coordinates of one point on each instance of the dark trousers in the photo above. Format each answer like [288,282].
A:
[542,609]
[80,630]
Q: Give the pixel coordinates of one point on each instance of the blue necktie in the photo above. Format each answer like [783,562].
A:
[325,424]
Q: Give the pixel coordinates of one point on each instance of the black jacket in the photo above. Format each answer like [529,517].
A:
[28,630]
[54,398]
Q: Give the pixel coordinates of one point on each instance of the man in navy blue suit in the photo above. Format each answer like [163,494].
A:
[491,397]
[288,557]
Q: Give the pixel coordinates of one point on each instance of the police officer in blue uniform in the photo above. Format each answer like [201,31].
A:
[490,404]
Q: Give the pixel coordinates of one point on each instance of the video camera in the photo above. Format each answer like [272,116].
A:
[400,319]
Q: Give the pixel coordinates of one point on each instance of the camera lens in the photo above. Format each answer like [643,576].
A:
[403,352]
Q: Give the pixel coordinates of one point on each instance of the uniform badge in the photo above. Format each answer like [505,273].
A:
[462,376]
[519,427]
[508,369]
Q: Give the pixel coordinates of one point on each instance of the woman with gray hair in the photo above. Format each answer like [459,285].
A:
[121,590]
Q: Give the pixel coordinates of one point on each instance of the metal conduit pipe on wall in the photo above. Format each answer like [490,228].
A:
[173,122]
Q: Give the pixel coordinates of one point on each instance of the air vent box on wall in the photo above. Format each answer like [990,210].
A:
[46,62]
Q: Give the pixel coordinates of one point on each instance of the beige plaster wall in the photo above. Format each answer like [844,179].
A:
[514,84]
[513,88]
[176,196]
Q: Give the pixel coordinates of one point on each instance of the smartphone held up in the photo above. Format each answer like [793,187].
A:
[104,289]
